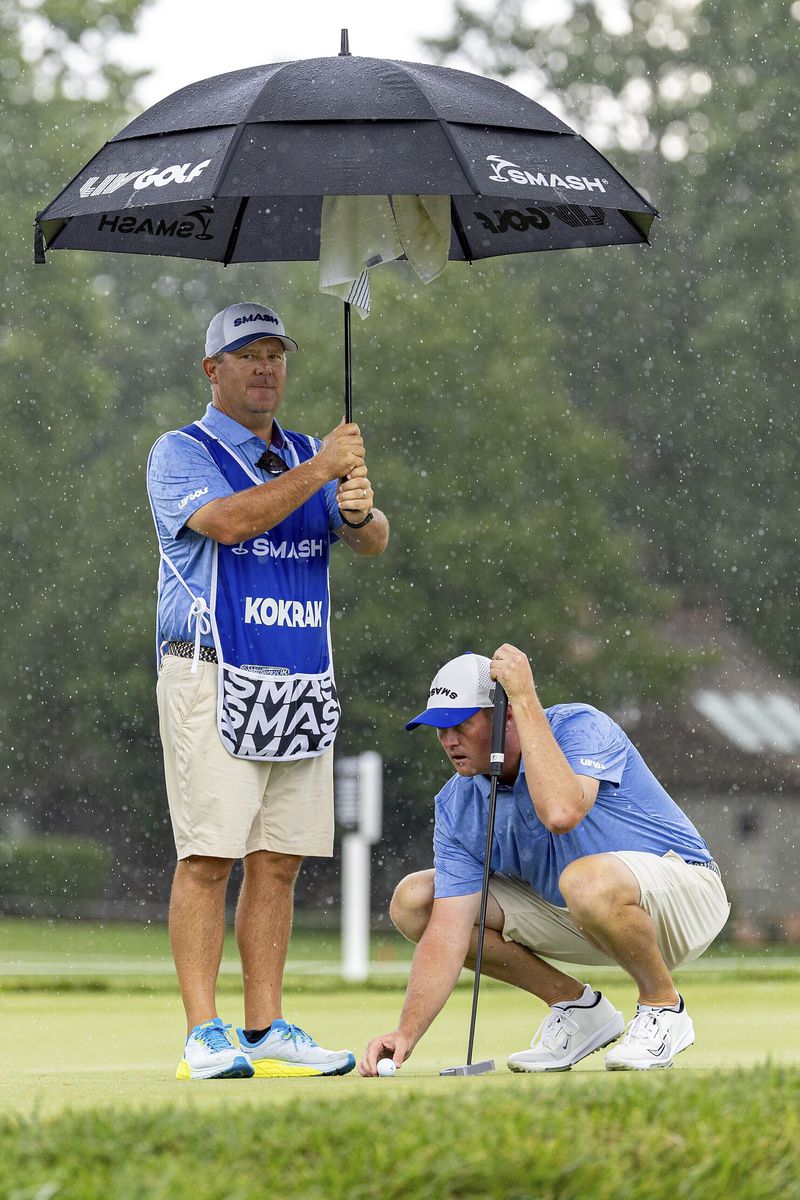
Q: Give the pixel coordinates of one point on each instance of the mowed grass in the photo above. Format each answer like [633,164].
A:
[89,1106]
[728,1136]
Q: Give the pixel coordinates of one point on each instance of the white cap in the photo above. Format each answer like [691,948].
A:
[239,324]
[460,689]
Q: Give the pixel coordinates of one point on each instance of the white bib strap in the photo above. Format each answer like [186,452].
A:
[199,615]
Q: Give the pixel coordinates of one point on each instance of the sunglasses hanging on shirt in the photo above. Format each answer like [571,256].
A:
[272,463]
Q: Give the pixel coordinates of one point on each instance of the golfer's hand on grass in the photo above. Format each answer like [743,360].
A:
[510,667]
[388,1045]
[354,494]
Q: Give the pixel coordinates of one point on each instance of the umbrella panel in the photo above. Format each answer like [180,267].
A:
[564,167]
[411,158]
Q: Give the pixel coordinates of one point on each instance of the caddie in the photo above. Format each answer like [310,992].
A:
[592,862]
[246,513]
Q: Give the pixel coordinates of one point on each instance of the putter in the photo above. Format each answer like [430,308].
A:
[495,770]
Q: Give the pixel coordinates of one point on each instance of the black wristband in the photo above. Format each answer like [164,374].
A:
[356,524]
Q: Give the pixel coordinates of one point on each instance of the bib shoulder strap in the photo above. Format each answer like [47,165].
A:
[199,434]
[304,446]
[234,469]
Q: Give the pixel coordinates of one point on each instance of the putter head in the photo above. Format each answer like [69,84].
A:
[478,1068]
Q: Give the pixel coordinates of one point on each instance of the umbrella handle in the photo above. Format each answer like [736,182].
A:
[348,366]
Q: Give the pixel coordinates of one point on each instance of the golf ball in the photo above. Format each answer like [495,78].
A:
[386,1067]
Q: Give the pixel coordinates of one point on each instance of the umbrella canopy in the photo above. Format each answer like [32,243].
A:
[243,167]
[235,168]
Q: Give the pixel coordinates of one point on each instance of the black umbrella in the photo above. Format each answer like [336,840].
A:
[237,168]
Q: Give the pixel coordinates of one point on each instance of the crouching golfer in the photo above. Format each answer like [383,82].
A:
[592,863]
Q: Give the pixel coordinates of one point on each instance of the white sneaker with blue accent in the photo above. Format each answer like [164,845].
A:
[212,1053]
[287,1050]
[654,1037]
[571,1032]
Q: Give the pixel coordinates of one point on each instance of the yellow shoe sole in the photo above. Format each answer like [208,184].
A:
[273,1068]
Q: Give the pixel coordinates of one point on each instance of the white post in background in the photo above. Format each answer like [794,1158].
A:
[359,810]
[355,907]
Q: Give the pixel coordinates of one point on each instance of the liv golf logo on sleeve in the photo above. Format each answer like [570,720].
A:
[277,718]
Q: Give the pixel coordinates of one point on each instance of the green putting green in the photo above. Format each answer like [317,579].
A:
[81,1048]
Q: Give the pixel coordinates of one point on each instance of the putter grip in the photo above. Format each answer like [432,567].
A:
[498,730]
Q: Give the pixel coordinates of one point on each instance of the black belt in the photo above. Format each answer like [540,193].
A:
[710,866]
[186,650]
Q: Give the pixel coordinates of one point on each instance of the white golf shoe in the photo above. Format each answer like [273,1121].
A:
[211,1053]
[287,1050]
[570,1033]
[654,1037]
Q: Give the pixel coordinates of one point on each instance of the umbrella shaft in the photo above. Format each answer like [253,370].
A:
[348,367]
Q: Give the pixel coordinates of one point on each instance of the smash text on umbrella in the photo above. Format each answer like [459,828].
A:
[517,174]
[194,224]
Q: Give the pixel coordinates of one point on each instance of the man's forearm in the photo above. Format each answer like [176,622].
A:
[434,973]
[256,510]
[554,788]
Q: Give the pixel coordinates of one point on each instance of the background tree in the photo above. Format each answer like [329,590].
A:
[690,352]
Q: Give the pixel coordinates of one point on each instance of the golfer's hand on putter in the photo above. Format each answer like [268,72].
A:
[342,451]
[511,668]
[388,1045]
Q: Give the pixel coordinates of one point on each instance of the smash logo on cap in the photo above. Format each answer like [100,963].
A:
[265,316]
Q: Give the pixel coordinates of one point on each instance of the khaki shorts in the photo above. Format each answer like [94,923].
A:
[226,807]
[688,906]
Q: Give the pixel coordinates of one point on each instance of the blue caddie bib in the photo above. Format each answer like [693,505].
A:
[269,615]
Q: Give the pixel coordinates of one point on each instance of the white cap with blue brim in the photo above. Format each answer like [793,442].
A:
[460,689]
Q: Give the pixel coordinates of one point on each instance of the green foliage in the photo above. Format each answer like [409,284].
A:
[52,874]
[645,1139]
[79,19]
[65,354]
[690,350]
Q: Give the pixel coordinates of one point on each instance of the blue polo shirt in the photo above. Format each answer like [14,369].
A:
[181,478]
[632,812]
